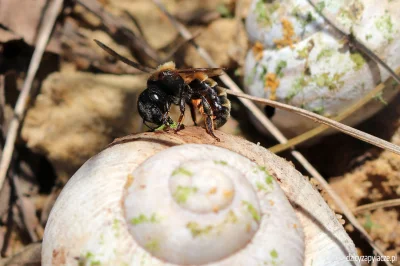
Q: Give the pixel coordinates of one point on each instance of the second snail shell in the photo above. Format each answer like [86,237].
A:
[316,70]
[147,200]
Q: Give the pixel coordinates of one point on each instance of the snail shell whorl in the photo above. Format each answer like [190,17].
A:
[196,204]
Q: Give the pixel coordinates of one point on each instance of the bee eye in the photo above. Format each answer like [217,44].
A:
[154,97]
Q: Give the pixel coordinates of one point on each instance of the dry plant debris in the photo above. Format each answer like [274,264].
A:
[225,40]
[80,107]
[77,114]
[21,20]
[375,180]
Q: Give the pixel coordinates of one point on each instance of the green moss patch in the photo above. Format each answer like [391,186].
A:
[182,194]
[320,6]
[182,171]
[145,219]
[297,87]
[274,254]
[88,258]
[358,60]
[264,72]
[385,25]
[318,110]
[197,230]
[264,10]
[252,210]
[250,77]
[379,97]
[332,82]
[325,53]
[152,245]
[279,68]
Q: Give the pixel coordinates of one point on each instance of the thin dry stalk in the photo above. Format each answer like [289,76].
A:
[2,98]
[326,121]
[23,98]
[377,205]
[275,132]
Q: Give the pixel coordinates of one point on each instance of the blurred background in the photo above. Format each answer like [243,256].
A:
[81,99]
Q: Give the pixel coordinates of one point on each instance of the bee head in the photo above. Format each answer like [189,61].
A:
[153,104]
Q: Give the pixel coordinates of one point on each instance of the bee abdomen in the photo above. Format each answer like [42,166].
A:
[223,114]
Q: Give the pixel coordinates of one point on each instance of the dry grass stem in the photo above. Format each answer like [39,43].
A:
[377,205]
[23,98]
[326,121]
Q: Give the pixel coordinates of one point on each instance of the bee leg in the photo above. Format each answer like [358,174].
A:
[151,128]
[169,120]
[207,111]
[193,113]
[210,127]
[182,115]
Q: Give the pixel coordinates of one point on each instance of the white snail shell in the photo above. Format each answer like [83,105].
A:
[318,72]
[143,202]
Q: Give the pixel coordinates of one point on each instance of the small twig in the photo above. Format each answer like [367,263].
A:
[50,200]
[135,22]
[326,121]
[85,57]
[23,97]
[22,208]
[116,27]
[9,228]
[127,61]
[377,205]
[198,17]
[2,99]
[355,42]
[3,121]
[346,113]
[275,132]
[180,45]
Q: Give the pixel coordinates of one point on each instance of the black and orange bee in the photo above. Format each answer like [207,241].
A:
[168,85]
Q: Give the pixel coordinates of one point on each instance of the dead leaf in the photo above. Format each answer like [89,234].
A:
[225,40]
[23,18]
[6,36]
[30,255]
[77,114]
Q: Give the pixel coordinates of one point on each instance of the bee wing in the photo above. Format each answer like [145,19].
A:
[190,74]
[124,59]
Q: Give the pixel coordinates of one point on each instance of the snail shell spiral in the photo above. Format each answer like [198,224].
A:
[196,204]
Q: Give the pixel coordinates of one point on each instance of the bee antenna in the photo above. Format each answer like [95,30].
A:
[124,59]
